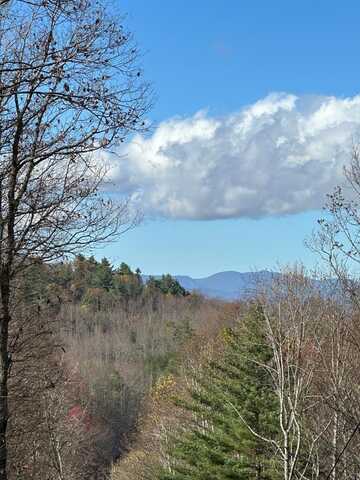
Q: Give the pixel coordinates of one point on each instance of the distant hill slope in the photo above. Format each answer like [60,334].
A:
[225,285]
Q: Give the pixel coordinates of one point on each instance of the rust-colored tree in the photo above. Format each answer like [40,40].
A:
[70,87]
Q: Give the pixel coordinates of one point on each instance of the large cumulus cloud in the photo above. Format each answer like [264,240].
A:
[278,156]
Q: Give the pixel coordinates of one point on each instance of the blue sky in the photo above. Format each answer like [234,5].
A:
[220,58]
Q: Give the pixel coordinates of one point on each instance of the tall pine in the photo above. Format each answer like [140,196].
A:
[230,394]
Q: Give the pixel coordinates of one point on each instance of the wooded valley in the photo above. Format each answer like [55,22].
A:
[106,374]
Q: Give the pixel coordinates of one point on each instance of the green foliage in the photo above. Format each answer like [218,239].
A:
[231,394]
[167,285]
[166,358]
[124,269]
[91,283]
[160,364]
[103,275]
[127,283]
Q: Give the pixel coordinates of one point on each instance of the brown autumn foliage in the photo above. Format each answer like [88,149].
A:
[315,372]
[159,417]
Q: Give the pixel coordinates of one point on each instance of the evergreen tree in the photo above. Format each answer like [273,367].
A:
[124,269]
[103,275]
[167,285]
[128,283]
[231,394]
[170,286]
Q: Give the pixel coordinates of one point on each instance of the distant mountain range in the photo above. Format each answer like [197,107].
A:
[225,285]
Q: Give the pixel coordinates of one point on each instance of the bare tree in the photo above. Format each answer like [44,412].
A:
[337,240]
[337,383]
[293,311]
[315,344]
[70,86]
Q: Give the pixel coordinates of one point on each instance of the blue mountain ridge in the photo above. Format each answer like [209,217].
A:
[229,285]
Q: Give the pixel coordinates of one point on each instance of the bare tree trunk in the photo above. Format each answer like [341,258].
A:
[4,365]
[334,446]
[293,311]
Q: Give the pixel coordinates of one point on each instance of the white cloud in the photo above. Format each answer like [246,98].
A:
[278,156]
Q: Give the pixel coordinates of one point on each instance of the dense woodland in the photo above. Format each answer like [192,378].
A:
[105,377]
[147,381]
[99,341]
[114,378]
[150,381]
[272,392]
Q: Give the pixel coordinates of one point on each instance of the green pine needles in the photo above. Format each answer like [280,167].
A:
[230,412]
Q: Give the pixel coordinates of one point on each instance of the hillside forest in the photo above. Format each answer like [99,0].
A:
[105,376]
[148,381]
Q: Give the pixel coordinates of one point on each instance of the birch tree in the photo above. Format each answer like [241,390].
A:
[293,312]
[337,386]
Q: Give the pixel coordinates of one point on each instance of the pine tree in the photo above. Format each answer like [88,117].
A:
[103,275]
[232,393]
